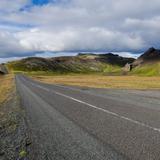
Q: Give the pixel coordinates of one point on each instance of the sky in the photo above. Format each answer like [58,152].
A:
[53,27]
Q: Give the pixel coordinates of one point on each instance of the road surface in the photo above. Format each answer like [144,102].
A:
[71,123]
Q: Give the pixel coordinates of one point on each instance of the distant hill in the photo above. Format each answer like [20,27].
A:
[148,64]
[81,63]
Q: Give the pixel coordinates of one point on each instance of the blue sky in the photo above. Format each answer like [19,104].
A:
[56,26]
[40,2]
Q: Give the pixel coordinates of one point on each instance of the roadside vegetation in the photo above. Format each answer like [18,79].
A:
[6,86]
[13,133]
[102,81]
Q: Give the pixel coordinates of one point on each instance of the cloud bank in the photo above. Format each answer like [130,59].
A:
[28,26]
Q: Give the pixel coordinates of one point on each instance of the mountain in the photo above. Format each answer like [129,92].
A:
[80,63]
[148,64]
[152,55]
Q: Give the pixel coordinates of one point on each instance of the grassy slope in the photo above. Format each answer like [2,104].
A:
[144,70]
[79,64]
[147,70]
[102,69]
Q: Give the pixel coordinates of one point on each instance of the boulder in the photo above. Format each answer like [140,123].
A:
[3,69]
[127,68]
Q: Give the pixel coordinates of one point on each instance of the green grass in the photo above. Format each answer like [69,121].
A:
[112,69]
[147,70]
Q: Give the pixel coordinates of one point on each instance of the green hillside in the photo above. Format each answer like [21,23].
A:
[106,63]
[147,70]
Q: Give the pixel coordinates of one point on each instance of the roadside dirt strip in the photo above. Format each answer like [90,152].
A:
[14,136]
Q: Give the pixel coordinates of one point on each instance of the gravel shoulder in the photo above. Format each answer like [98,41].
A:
[14,137]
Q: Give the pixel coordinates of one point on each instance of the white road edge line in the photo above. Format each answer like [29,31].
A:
[100,109]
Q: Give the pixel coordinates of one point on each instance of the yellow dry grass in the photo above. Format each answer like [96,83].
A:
[6,85]
[100,81]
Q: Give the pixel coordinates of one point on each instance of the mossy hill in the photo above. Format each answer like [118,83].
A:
[82,63]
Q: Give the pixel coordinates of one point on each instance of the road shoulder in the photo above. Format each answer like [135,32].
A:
[14,136]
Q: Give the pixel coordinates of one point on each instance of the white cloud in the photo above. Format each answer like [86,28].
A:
[117,25]
[77,39]
[9,44]
[143,24]
[128,54]
[9,6]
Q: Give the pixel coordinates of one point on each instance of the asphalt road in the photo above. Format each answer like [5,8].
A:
[71,123]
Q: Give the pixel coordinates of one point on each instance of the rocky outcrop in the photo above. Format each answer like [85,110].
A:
[127,68]
[3,69]
[151,56]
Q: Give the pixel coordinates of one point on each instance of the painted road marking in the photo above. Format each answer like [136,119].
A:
[97,108]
